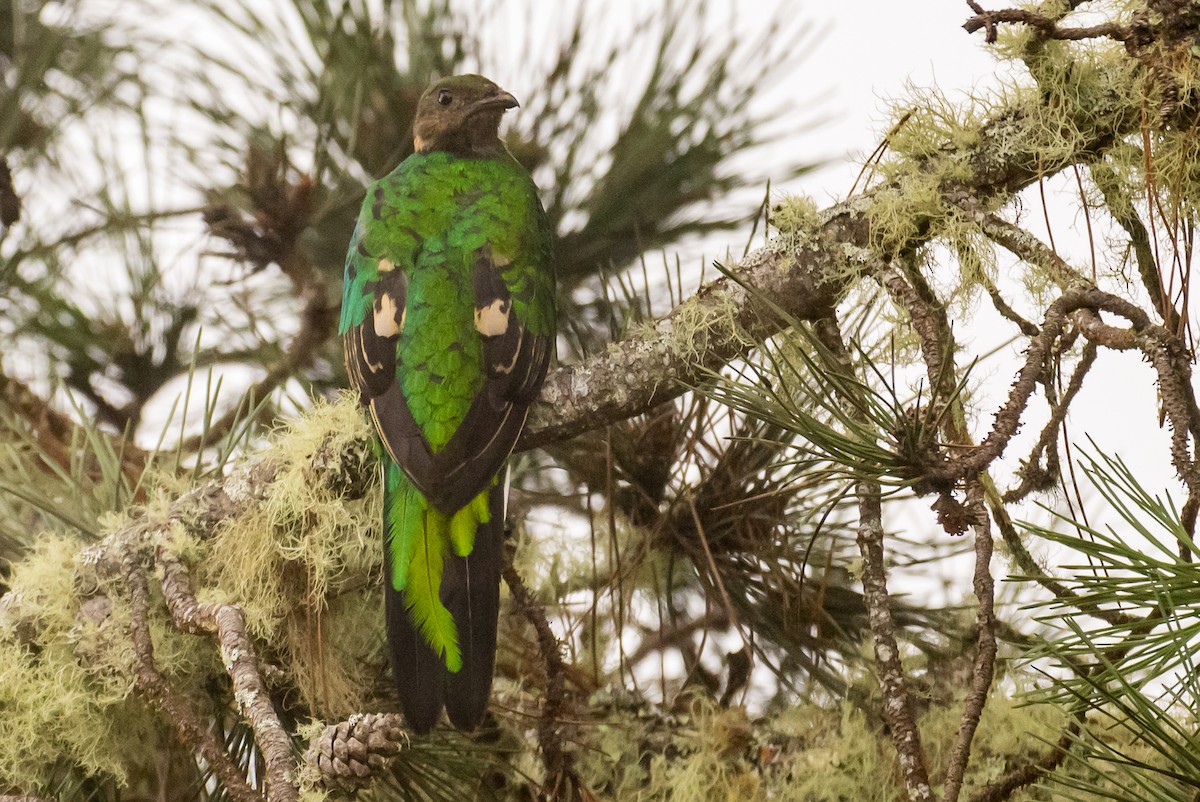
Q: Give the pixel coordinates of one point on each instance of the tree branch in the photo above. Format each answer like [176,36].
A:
[174,707]
[806,273]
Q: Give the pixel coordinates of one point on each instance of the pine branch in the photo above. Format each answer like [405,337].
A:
[807,273]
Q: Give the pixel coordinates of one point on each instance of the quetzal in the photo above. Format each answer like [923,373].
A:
[448,324]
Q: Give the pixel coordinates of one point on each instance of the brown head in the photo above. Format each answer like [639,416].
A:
[461,114]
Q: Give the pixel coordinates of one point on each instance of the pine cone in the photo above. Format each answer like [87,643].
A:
[347,756]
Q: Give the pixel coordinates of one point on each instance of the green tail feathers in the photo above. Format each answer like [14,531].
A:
[419,539]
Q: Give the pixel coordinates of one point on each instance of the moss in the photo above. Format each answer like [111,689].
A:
[52,702]
[794,214]
[297,561]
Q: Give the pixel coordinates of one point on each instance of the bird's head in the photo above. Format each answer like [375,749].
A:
[461,114]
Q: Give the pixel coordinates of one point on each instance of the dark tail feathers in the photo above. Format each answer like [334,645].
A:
[471,592]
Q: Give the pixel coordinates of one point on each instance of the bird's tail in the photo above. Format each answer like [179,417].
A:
[471,590]
[441,590]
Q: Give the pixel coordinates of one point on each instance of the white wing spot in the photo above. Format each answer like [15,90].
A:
[386,324]
[386,265]
[492,320]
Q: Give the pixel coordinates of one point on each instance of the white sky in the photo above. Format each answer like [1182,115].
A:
[874,48]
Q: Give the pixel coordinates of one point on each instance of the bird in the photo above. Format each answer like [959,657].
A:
[448,327]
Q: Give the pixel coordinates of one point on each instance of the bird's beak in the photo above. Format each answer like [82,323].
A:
[503,101]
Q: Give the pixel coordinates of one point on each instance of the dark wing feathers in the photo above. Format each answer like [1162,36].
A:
[403,440]
[471,592]
[515,363]
[370,347]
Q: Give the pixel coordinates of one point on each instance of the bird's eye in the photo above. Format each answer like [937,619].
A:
[444,98]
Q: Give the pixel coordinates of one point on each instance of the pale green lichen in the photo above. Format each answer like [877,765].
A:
[696,329]
[814,753]
[52,701]
[939,148]
[296,562]
[795,215]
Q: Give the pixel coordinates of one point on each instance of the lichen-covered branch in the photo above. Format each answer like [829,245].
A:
[984,667]
[187,722]
[1045,26]
[897,701]
[805,273]
[237,652]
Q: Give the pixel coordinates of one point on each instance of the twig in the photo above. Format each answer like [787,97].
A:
[672,636]
[237,650]
[554,757]
[1044,25]
[54,433]
[1008,417]
[1006,311]
[1028,247]
[156,688]
[1032,570]
[984,668]
[1033,475]
[1097,331]
[1119,205]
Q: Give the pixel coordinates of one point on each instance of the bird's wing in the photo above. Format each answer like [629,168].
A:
[515,361]
[373,310]
[514,364]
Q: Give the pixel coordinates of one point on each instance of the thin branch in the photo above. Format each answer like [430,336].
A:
[560,775]
[1045,26]
[1008,417]
[173,706]
[1033,475]
[1022,244]
[10,201]
[984,668]
[1006,311]
[228,623]
[897,701]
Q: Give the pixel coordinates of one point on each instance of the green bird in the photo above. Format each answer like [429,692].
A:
[448,324]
